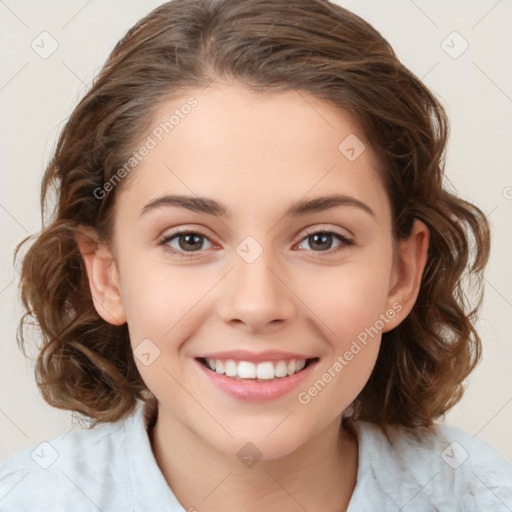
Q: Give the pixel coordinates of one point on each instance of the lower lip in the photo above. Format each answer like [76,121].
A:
[257,391]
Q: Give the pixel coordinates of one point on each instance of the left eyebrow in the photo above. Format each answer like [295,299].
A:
[212,207]
[319,204]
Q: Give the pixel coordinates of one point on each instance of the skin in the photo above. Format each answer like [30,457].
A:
[256,154]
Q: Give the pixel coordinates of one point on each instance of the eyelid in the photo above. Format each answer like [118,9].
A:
[307,231]
[326,228]
[169,235]
[183,228]
[346,241]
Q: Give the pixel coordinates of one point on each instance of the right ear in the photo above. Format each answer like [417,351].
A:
[103,276]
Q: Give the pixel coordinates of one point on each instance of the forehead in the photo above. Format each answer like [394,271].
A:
[246,148]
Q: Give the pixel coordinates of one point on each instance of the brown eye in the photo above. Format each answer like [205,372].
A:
[321,241]
[184,243]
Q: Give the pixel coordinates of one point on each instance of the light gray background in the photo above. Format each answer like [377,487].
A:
[37,95]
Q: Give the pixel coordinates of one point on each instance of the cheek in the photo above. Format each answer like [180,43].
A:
[165,307]
[162,308]
[348,298]
[350,303]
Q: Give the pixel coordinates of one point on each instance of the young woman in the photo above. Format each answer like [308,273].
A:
[251,281]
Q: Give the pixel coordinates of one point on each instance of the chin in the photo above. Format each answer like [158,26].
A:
[247,445]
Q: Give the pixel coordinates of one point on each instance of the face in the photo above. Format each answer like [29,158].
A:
[252,277]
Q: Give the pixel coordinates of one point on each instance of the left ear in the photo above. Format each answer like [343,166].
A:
[407,272]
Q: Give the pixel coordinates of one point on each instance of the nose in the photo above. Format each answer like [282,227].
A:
[257,295]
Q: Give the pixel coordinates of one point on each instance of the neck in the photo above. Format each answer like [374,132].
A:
[319,475]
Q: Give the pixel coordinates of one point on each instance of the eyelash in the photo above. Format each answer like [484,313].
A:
[167,238]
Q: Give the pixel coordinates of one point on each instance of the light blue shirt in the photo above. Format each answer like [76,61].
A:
[111,468]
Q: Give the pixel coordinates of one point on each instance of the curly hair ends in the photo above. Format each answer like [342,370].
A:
[86,364]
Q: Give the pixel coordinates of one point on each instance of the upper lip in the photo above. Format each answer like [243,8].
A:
[255,357]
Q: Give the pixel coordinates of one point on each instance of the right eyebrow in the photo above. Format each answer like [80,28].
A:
[195,204]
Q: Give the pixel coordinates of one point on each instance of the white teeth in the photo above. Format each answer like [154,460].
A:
[231,368]
[266,370]
[281,369]
[219,366]
[246,370]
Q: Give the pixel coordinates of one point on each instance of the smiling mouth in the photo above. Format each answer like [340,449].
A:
[266,371]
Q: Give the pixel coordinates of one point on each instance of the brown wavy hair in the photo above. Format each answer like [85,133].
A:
[86,365]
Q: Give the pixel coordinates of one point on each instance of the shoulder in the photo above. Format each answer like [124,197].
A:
[428,471]
[73,466]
